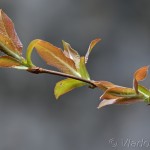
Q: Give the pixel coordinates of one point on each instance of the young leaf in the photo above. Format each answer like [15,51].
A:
[125,100]
[120,92]
[82,69]
[9,40]
[109,96]
[79,61]
[139,75]
[91,46]
[145,92]
[55,57]
[119,95]
[104,85]
[66,85]
[106,102]
[71,53]
[7,61]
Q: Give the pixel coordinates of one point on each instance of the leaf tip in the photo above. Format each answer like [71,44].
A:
[98,39]
[106,102]
[63,41]
[65,44]
[91,46]
[57,97]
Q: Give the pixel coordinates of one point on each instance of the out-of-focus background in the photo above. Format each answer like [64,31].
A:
[31,118]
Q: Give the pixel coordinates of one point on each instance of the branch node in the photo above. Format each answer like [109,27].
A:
[35,70]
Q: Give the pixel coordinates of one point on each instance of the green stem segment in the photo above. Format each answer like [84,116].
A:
[9,52]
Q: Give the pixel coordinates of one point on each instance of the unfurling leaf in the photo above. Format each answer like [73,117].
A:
[139,75]
[104,85]
[9,41]
[79,61]
[119,95]
[145,92]
[82,69]
[91,46]
[71,53]
[7,61]
[55,57]
[121,91]
[66,85]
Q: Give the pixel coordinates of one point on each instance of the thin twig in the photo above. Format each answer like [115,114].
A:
[38,70]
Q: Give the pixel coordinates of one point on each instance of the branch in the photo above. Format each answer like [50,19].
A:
[38,70]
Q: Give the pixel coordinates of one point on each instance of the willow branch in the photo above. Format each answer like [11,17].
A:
[38,70]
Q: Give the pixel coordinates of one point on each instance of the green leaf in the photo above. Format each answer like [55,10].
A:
[91,46]
[7,61]
[71,53]
[145,92]
[66,85]
[120,92]
[82,69]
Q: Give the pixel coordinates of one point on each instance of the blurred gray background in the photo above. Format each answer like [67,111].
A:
[31,118]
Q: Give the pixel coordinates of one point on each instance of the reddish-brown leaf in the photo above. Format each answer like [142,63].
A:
[109,96]
[127,100]
[8,36]
[139,75]
[104,85]
[7,61]
[54,56]
[91,46]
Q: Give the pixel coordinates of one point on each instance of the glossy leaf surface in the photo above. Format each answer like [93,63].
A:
[66,85]
[55,57]
[7,61]
[71,53]
[8,36]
